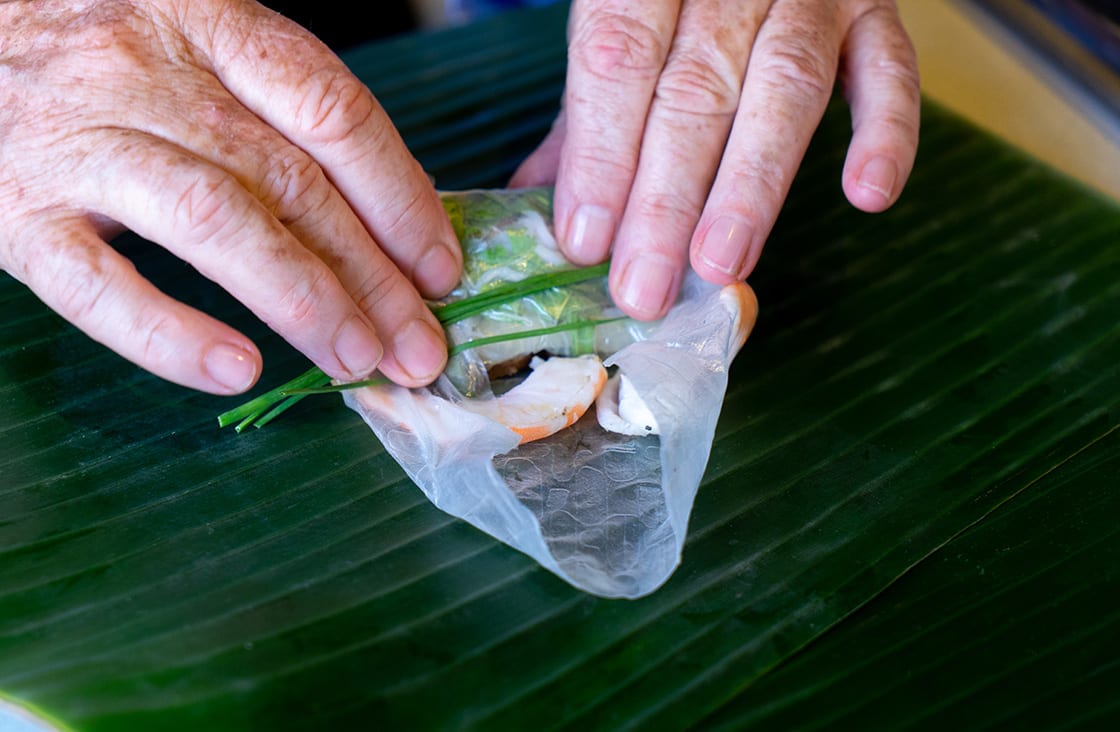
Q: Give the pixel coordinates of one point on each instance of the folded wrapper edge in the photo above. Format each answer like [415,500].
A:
[680,371]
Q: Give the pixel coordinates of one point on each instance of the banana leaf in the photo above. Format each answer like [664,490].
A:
[908,517]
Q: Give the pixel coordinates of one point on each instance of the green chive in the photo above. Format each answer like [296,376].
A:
[377,381]
[532,333]
[453,312]
[248,412]
[266,407]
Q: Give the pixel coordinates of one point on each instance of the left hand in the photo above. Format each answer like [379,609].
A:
[684,122]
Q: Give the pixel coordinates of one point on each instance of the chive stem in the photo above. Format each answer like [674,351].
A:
[332,388]
[453,351]
[453,312]
[248,412]
[531,333]
[279,409]
[266,407]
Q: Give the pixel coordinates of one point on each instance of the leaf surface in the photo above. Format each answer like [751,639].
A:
[923,387]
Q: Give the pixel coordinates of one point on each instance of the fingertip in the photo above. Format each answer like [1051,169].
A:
[589,234]
[417,354]
[884,92]
[646,286]
[723,251]
[231,368]
[539,169]
[875,186]
[357,349]
[438,271]
[529,175]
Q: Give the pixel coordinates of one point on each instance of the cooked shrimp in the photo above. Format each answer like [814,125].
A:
[621,409]
[553,396]
[740,301]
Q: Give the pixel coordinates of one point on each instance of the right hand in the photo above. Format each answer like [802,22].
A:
[235,139]
[683,125]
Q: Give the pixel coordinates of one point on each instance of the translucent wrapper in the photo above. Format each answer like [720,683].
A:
[607,512]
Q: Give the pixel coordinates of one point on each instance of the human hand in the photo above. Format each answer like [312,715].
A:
[671,147]
[239,142]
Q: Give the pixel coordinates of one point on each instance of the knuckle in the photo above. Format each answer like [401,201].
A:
[294,185]
[162,342]
[298,307]
[904,126]
[670,207]
[96,26]
[793,68]
[382,285]
[333,106]
[202,208]
[614,43]
[408,216]
[602,165]
[702,82]
[762,182]
[901,74]
[82,288]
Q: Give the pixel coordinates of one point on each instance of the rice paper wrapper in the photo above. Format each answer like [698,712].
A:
[606,512]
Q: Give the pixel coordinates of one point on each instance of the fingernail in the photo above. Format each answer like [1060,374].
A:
[726,244]
[420,351]
[646,285]
[230,366]
[357,348]
[879,175]
[590,234]
[437,272]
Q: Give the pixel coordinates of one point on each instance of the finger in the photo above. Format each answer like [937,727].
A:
[788,83]
[616,51]
[539,168]
[87,282]
[295,84]
[294,188]
[687,127]
[206,217]
[881,80]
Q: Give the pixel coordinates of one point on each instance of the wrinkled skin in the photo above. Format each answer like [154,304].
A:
[684,122]
[239,142]
[236,140]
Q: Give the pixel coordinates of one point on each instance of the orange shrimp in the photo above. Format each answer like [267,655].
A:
[553,396]
[740,301]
